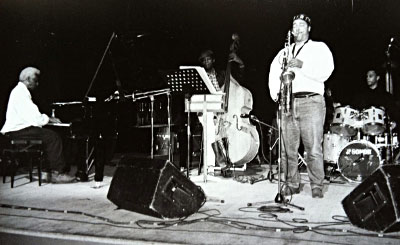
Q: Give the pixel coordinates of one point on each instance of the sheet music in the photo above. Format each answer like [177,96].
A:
[204,77]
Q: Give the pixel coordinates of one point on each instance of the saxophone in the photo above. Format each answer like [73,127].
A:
[286,78]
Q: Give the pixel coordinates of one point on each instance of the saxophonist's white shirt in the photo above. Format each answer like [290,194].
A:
[317,67]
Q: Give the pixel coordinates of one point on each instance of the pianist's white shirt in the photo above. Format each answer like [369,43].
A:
[21,111]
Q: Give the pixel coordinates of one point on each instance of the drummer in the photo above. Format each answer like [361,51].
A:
[374,94]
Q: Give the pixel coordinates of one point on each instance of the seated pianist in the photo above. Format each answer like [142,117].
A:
[24,120]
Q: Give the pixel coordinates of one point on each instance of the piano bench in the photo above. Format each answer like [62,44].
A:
[18,152]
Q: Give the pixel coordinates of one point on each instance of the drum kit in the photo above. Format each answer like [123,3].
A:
[359,142]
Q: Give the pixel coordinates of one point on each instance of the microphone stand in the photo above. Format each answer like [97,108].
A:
[279,198]
[271,147]
[270,175]
[284,97]
[286,79]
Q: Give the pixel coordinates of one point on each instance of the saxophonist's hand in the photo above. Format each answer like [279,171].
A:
[295,63]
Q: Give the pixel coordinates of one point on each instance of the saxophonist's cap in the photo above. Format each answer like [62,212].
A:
[303,17]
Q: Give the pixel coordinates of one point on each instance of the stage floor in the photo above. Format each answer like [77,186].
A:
[236,212]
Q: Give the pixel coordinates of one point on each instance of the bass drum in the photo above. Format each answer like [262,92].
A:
[358,159]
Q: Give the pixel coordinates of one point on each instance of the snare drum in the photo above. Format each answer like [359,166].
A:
[345,121]
[333,144]
[373,121]
[358,159]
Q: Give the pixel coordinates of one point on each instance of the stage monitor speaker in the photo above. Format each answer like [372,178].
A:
[154,187]
[374,204]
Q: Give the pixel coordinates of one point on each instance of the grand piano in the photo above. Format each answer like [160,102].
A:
[108,117]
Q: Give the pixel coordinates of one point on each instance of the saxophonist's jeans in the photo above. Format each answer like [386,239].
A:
[305,122]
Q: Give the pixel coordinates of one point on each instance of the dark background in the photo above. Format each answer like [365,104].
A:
[66,41]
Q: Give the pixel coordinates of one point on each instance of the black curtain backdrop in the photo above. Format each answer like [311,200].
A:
[66,40]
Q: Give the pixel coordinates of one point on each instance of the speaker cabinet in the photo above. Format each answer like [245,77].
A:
[154,187]
[374,204]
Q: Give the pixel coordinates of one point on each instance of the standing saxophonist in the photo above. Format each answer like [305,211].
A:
[312,64]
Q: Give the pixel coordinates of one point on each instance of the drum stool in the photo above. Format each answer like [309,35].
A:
[18,150]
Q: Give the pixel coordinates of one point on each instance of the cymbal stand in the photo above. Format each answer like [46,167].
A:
[388,65]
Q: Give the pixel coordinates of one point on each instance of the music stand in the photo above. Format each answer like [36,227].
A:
[190,80]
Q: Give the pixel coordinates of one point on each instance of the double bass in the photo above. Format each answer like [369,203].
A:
[240,135]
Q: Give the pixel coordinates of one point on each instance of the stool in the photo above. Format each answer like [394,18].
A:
[21,149]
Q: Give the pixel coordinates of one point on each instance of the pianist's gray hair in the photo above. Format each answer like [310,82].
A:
[28,72]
